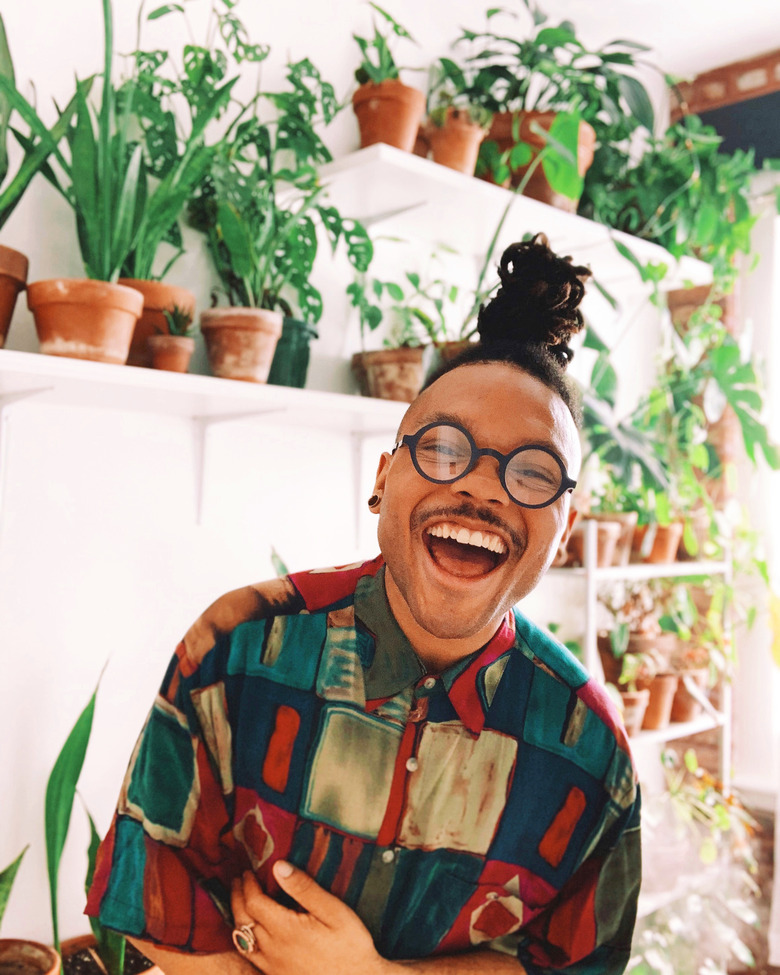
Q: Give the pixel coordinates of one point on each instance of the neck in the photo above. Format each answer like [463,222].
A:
[436,653]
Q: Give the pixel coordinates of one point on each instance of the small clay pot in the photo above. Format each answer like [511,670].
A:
[685,707]
[634,708]
[241,342]
[159,297]
[662,545]
[456,143]
[13,277]
[662,689]
[389,112]
[170,352]
[395,374]
[28,958]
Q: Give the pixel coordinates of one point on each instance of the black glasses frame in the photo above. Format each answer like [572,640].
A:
[412,439]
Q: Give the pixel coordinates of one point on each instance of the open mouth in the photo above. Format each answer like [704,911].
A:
[465,553]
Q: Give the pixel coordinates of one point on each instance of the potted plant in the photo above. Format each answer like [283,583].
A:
[172,349]
[415,319]
[172,105]
[551,82]
[455,126]
[17,955]
[38,144]
[260,208]
[386,109]
[103,183]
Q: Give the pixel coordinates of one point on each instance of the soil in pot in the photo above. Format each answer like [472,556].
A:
[13,277]
[240,342]
[170,352]
[18,957]
[395,374]
[159,297]
[79,957]
[389,112]
[537,187]
[84,319]
[456,143]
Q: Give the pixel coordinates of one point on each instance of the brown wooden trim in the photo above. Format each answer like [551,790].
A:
[726,85]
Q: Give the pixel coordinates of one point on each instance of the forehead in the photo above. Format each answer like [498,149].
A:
[501,405]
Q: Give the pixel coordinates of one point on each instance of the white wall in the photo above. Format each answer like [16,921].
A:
[101,560]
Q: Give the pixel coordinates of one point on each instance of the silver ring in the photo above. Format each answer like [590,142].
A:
[244,939]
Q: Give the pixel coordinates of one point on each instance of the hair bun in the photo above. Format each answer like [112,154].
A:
[537,302]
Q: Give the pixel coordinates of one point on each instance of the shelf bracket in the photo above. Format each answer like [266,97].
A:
[201,426]
[7,400]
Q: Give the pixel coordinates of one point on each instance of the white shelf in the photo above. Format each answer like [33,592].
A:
[431,202]
[643,571]
[678,729]
[74,382]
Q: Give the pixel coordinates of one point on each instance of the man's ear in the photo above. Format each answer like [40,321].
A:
[381,477]
[560,558]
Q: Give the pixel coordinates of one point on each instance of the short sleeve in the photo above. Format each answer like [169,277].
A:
[164,868]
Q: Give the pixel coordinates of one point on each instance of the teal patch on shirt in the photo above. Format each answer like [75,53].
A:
[122,906]
[534,642]
[285,649]
[551,707]
[163,775]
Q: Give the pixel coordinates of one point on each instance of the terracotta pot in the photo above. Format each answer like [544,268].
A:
[634,709]
[13,277]
[158,298]
[662,688]
[170,352]
[389,112]
[685,707]
[538,188]
[627,520]
[18,957]
[456,143]
[661,547]
[84,319]
[395,374]
[607,535]
[449,350]
[87,943]
[658,646]
[240,342]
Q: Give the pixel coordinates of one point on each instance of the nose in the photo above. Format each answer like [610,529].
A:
[483,482]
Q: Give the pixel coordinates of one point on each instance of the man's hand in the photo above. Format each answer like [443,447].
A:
[327,936]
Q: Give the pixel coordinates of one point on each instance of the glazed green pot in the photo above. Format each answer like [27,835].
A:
[291,358]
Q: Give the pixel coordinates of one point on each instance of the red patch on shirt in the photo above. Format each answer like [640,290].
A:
[556,840]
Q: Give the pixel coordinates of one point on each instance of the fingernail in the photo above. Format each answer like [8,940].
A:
[283,869]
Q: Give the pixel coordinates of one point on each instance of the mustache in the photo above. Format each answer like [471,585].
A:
[468,510]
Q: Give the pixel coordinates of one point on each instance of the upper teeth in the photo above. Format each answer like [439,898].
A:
[466,537]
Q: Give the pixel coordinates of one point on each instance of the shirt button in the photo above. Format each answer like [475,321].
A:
[429,682]
[388,856]
[412,764]
[492,895]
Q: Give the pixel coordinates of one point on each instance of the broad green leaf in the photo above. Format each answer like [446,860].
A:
[165,9]
[7,72]
[560,155]
[637,99]
[60,793]
[236,239]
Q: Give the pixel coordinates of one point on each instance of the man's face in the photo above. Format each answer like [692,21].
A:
[455,588]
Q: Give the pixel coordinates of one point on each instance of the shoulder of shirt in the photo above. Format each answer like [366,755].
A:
[314,591]
[551,656]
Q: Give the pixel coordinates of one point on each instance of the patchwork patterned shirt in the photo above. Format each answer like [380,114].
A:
[492,805]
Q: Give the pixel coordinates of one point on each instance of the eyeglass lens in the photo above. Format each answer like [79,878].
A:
[444,453]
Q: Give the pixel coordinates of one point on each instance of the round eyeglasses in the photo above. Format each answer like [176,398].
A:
[532,475]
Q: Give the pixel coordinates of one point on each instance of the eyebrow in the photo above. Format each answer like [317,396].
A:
[441,416]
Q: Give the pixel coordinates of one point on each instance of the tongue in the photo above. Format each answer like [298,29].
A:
[461,560]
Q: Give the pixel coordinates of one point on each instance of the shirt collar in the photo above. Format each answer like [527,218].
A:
[395,665]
